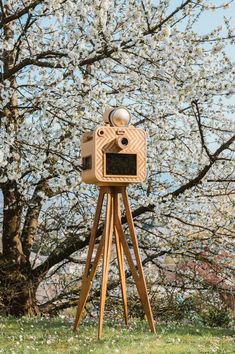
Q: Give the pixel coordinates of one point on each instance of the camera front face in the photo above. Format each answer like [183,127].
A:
[114,156]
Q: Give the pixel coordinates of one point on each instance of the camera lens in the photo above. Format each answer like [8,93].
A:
[124,141]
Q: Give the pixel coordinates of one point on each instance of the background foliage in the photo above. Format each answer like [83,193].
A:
[62,63]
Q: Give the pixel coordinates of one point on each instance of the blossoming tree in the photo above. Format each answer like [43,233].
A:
[62,63]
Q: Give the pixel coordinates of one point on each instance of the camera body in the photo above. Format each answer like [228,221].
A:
[114,156]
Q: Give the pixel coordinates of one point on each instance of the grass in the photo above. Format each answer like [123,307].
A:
[48,336]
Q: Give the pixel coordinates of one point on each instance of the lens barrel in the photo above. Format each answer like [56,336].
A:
[122,142]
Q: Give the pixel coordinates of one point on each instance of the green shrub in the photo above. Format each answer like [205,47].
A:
[215,317]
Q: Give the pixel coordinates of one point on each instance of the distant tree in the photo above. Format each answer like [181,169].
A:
[62,63]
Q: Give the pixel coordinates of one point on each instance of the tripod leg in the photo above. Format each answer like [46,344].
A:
[139,280]
[120,259]
[87,280]
[106,257]
[141,283]
[94,231]
[87,283]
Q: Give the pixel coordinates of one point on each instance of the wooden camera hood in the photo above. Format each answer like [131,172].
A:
[114,156]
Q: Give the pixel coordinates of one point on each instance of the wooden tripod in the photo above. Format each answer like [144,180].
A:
[113,225]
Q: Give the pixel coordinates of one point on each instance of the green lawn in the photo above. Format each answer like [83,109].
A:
[29,335]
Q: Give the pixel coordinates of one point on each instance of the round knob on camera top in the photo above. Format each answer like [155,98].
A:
[117,117]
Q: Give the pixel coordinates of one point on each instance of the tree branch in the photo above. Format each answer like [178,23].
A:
[159,25]
[102,54]
[198,119]
[193,182]
[19,13]
[27,62]
[73,243]
[2,10]
[31,219]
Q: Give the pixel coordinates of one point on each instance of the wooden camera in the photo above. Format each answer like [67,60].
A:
[114,154]
[112,157]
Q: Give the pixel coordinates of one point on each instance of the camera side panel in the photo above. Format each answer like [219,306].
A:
[88,157]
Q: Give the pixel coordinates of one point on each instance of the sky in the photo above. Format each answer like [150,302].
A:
[212,19]
[206,23]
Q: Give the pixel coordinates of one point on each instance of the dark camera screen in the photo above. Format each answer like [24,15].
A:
[121,164]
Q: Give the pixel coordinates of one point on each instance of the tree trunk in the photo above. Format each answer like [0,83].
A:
[17,290]
[17,284]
